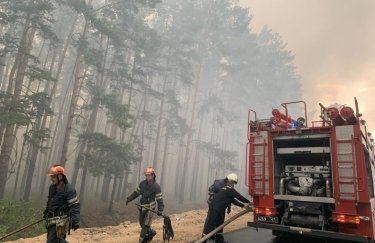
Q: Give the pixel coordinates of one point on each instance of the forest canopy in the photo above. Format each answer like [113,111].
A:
[107,87]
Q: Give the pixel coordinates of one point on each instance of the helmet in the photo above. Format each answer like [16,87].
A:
[149,170]
[56,170]
[232,177]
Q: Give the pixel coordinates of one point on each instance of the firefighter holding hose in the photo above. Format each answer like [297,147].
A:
[220,202]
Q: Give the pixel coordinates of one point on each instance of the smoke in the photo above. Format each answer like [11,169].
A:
[333,43]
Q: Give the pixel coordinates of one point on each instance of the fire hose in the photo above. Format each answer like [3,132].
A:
[230,220]
[167,227]
[20,229]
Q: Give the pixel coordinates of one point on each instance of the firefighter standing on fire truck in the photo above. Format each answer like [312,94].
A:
[150,192]
[63,208]
[220,202]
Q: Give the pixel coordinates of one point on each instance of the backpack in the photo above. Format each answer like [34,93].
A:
[214,188]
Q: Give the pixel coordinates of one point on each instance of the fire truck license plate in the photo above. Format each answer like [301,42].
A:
[267,219]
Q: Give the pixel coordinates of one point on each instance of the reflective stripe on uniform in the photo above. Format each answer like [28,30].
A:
[158,196]
[149,205]
[57,219]
[72,201]
[138,190]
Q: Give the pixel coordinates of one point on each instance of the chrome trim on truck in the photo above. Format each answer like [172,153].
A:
[304,198]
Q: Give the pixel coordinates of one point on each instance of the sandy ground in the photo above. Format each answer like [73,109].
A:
[187,227]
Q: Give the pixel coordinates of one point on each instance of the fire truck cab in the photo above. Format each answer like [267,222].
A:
[312,180]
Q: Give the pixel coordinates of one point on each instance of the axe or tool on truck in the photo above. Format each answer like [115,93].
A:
[228,221]
[20,229]
[167,227]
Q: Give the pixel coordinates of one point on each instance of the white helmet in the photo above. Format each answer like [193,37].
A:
[232,177]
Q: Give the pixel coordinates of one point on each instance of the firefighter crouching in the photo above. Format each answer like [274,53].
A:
[222,199]
[151,194]
[63,209]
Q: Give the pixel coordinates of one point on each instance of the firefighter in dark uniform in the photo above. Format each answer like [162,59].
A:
[220,202]
[151,194]
[63,208]
[214,188]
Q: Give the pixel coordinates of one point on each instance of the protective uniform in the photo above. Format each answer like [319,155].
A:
[62,210]
[151,194]
[215,187]
[220,202]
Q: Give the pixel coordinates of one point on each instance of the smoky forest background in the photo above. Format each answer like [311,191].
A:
[108,87]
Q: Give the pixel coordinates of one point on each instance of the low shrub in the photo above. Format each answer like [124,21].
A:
[17,214]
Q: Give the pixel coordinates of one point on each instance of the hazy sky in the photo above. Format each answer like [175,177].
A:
[334,44]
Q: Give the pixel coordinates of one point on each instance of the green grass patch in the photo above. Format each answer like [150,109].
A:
[17,214]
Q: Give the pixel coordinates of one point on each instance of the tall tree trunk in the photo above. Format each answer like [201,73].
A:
[120,185]
[179,172]
[188,143]
[52,95]
[3,59]
[138,121]
[196,166]
[19,165]
[113,194]
[34,153]
[160,120]
[158,131]
[164,163]
[105,186]
[38,126]
[125,186]
[91,123]
[107,182]
[163,171]
[97,186]
[8,142]
[5,76]
[77,163]
[73,102]
[83,185]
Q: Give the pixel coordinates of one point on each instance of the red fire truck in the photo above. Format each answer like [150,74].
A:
[312,180]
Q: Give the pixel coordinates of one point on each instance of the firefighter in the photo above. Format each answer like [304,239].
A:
[220,202]
[151,194]
[63,209]
[214,188]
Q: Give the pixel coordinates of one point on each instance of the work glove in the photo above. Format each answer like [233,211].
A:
[248,205]
[229,209]
[160,213]
[75,226]
[209,199]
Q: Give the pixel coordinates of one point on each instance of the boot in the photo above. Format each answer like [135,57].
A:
[152,234]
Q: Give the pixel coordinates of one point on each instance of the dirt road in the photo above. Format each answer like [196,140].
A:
[187,227]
